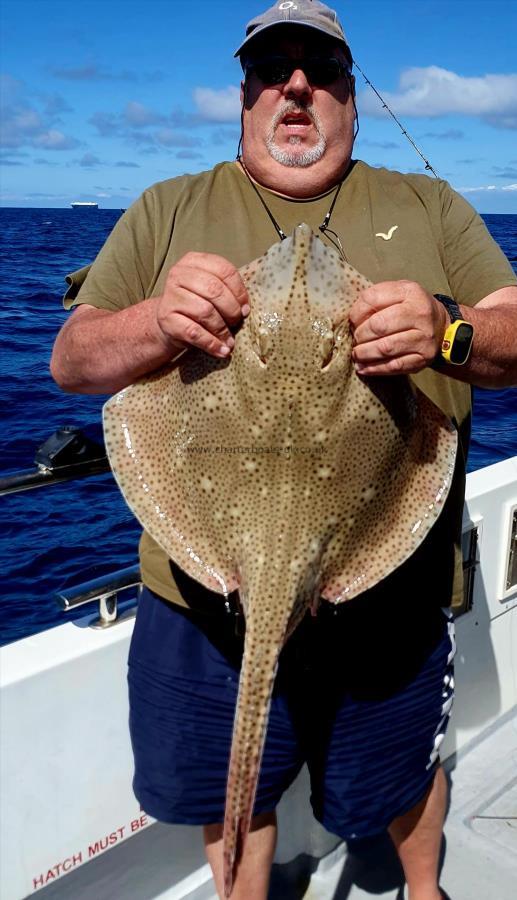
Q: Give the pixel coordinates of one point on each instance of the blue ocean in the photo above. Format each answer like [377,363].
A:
[75,531]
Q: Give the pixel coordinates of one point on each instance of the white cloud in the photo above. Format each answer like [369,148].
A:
[23,124]
[486,187]
[54,140]
[134,124]
[189,154]
[89,161]
[107,124]
[433,91]
[139,116]
[218,106]
[38,195]
[224,136]
[472,190]
[91,72]
[169,137]
[452,134]
[94,72]
[384,145]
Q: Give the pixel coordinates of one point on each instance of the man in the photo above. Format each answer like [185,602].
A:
[166,279]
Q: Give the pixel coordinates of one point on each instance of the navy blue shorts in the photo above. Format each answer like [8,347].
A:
[362,696]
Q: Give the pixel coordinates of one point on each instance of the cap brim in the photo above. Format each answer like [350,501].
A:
[262,28]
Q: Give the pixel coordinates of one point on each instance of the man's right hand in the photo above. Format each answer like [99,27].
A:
[204,296]
[99,351]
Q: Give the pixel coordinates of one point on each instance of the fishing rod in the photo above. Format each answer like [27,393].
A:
[404,131]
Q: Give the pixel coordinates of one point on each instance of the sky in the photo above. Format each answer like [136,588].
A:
[102,98]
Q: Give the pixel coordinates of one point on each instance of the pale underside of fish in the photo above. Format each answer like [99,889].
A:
[280,473]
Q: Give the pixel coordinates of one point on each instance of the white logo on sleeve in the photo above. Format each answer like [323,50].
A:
[389,235]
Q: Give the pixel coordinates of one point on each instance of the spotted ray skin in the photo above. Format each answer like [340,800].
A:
[280,473]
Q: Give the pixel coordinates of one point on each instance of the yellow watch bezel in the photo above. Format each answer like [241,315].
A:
[448,342]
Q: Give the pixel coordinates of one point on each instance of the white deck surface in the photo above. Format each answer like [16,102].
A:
[479,848]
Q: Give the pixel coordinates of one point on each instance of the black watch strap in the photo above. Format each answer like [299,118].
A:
[450,305]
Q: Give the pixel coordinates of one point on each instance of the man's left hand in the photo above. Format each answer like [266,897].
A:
[397,328]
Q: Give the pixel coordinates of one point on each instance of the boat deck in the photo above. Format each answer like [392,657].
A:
[479,852]
[70,825]
[479,856]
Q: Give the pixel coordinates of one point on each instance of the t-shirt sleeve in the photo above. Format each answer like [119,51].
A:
[123,270]
[475,264]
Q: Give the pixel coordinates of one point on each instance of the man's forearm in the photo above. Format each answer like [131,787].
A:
[101,352]
[493,361]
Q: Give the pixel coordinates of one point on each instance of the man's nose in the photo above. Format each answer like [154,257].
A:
[298,85]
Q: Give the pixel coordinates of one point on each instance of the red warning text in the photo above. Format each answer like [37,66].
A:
[94,849]
[56,871]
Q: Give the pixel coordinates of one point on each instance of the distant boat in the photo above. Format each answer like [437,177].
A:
[80,204]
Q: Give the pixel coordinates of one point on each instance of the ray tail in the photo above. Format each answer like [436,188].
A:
[249,735]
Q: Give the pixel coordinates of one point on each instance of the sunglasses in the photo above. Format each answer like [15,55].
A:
[320,71]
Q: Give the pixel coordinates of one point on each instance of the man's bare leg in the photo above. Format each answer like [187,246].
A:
[417,836]
[254,869]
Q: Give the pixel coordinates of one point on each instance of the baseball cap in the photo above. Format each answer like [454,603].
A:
[309,13]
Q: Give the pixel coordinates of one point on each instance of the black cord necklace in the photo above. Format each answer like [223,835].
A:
[335,240]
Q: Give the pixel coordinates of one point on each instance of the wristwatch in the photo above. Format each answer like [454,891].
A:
[458,337]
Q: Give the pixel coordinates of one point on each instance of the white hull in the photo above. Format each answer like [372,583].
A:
[70,826]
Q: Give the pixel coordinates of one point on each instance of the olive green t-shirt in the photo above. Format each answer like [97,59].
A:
[439,241]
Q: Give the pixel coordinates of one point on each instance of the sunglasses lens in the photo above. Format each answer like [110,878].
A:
[320,72]
[273,71]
